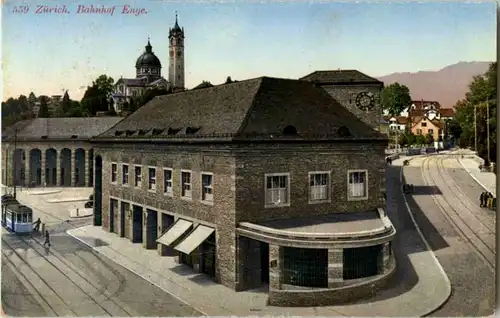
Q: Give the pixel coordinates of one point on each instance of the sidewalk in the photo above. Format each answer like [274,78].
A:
[213,299]
[488,180]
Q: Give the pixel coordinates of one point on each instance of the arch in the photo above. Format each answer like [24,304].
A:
[51,167]
[19,166]
[80,167]
[35,177]
[343,131]
[90,158]
[65,165]
[98,192]
[290,130]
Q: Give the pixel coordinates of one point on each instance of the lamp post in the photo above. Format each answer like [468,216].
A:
[488,129]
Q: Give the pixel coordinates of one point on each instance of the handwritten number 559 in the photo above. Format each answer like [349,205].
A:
[20,9]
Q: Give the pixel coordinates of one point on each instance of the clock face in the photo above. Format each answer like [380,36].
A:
[365,101]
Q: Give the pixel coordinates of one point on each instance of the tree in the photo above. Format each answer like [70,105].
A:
[228,80]
[43,112]
[104,84]
[481,99]
[429,139]
[420,140]
[395,98]
[149,95]
[454,128]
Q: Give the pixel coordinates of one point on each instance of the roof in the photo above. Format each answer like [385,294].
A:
[148,58]
[59,128]
[340,77]
[141,81]
[447,112]
[436,122]
[261,108]
[419,104]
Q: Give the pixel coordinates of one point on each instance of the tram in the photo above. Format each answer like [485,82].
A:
[6,200]
[18,217]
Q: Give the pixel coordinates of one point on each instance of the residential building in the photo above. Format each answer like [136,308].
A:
[423,125]
[263,182]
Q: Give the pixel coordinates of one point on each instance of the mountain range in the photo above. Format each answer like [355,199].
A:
[446,86]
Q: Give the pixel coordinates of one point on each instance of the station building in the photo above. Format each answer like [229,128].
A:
[263,182]
[51,151]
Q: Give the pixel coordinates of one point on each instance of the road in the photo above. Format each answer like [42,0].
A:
[462,235]
[70,279]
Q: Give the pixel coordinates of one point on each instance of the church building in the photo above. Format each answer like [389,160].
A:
[148,71]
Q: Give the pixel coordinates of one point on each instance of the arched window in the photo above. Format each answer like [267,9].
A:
[290,130]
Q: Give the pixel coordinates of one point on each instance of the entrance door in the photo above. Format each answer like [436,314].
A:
[136,224]
[151,229]
[208,256]
[122,220]
[264,263]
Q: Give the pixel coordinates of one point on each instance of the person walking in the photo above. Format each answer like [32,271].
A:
[47,239]
[37,225]
[482,199]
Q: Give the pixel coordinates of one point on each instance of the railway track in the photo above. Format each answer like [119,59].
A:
[103,299]
[459,211]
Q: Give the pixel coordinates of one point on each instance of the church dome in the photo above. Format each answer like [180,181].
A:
[148,58]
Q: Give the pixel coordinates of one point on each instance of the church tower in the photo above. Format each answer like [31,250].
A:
[176,51]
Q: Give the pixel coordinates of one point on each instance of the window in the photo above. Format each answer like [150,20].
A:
[419,131]
[206,187]
[152,179]
[430,131]
[186,184]
[277,189]
[357,185]
[424,125]
[137,176]
[167,181]
[125,174]
[318,186]
[114,169]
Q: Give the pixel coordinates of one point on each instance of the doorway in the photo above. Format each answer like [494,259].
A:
[122,220]
[98,192]
[137,224]
[151,229]
[264,263]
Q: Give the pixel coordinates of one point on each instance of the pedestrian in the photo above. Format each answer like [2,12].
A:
[390,161]
[482,199]
[37,225]
[47,239]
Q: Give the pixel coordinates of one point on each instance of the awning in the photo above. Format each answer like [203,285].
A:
[194,239]
[174,232]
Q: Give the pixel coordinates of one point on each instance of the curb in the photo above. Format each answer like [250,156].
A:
[408,209]
[473,177]
[132,271]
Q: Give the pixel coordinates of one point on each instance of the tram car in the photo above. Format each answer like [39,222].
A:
[6,200]
[18,218]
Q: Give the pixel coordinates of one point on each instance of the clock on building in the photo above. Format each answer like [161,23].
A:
[365,101]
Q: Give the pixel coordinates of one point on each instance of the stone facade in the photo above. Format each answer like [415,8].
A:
[44,147]
[238,183]
[346,95]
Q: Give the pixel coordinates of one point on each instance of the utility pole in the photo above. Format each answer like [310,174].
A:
[14,166]
[488,129]
[475,128]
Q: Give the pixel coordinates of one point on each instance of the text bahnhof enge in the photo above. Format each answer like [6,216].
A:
[81,9]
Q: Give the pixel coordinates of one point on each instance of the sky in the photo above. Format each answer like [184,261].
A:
[53,52]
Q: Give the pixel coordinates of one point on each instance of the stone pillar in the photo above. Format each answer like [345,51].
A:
[73,167]
[43,166]
[58,169]
[275,266]
[386,258]
[87,168]
[27,170]
[335,267]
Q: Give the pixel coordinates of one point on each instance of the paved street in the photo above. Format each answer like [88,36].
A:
[71,279]
[445,205]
